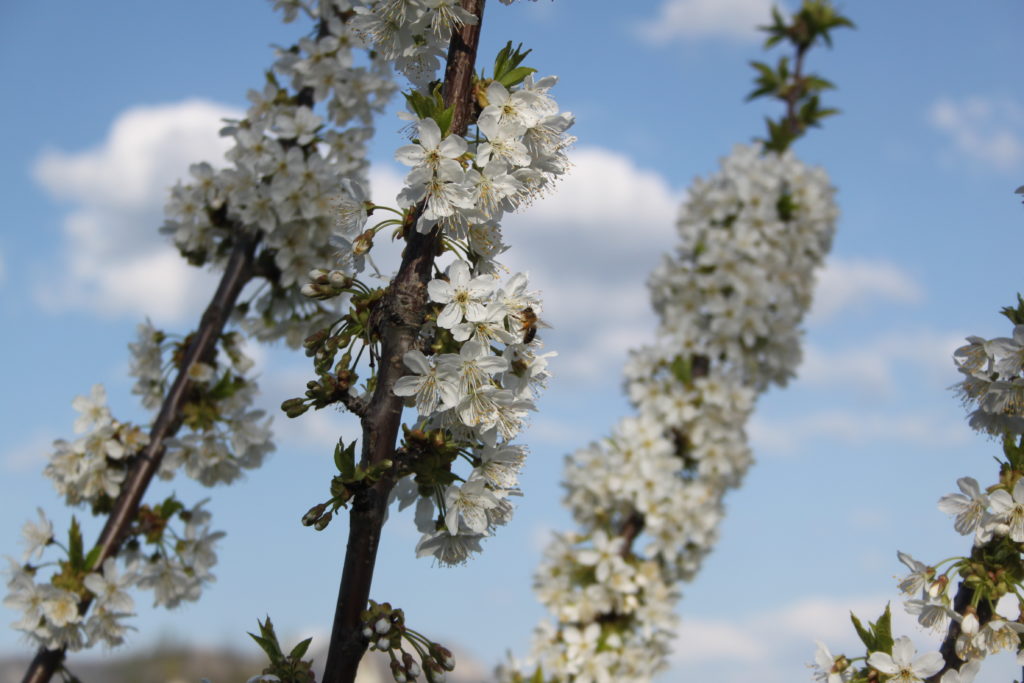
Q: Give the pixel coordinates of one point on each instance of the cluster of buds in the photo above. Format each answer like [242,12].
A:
[385,630]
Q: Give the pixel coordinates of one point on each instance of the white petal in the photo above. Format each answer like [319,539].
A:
[430,134]
[416,361]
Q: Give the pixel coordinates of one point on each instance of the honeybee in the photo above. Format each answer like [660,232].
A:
[528,324]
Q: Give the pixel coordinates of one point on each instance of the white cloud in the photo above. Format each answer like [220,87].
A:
[30,454]
[590,246]
[987,130]
[113,260]
[773,646]
[688,19]
[777,645]
[787,436]
[844,284]
[871,364]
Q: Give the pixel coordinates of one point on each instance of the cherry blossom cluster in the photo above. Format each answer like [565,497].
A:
[413,34]
[649,497]
[173,564]
[224,435]
[486,371]
[292,153]
[478,368]
[983,616]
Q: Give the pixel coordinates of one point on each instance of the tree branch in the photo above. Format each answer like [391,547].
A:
[404,310]
[237,272]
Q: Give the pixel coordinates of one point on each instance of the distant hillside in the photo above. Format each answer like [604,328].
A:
[176,664]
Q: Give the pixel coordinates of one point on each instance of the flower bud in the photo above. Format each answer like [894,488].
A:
[410,665]
[938,586]
[338,279]
[314,514]
[443,655]
[294,407]
[382,626]
[363,243]
[322,523]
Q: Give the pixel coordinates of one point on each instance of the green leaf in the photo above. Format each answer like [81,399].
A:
[1015,314]
[444,119]
[75,547]
[267,645]
[817,83]
[345,459]
[883,631]
[170,507]
[515,76]
[866,636]
[299,650]
[267,640]
[507,61]
[420,104]
[682,369]
[877,637]
[90,559]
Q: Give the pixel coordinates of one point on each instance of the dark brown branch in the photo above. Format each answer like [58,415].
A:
[237,272]
[404,311]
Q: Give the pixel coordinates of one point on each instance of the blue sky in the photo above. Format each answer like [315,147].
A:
[109,102]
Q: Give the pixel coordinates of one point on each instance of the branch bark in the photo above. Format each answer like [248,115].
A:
[237,272]
[404,310]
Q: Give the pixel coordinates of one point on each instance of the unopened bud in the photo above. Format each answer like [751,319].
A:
[338,279]
[322,523]
[938,586]
[319,276]
[363,243]
[382,626]
[313,515]
[444,656]
[410,665]
[294,407]
[969,624]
